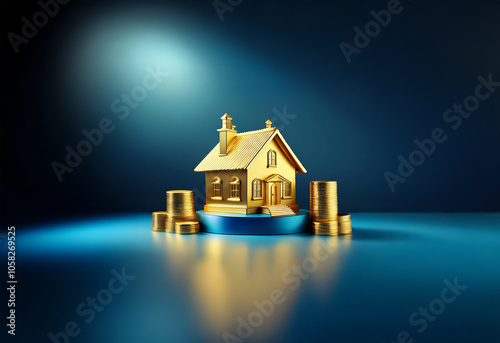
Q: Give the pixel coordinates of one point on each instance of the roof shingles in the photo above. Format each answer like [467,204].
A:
[242,150]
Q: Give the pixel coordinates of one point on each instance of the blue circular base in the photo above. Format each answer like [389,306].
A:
[252,224]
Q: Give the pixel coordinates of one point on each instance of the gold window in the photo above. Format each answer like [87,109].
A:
[234,188]
[287,190]
[271,158]
[216,188]
[257,189]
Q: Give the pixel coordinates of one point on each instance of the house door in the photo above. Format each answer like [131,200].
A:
[273,194]
[275,197]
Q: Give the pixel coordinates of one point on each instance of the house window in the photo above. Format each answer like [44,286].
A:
[257,189]
[234,189]
[216,188]
[271,158]
[287,190]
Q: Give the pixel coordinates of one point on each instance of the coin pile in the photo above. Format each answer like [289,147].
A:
[324,208]
[187,227]
[159,221]
[325,228]
[180,207]
[345,223]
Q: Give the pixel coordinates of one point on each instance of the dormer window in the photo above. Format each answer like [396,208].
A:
[271,158]
[217,188]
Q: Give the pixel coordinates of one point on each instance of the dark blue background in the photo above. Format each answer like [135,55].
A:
[352,120]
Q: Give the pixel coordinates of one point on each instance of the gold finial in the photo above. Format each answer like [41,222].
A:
[268,124]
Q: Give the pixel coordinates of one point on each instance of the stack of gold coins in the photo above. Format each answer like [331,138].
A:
[170,223]
[325,228]
[324,207]
[180,204]
[345,224]
[180,207]
[187,227]
[159,221]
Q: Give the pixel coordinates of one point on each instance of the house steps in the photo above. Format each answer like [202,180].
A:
[278,210]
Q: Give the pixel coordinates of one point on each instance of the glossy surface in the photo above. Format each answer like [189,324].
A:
[193,288]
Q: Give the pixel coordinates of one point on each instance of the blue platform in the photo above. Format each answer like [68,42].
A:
[252,224]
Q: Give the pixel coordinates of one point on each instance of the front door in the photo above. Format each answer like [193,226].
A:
[273,194]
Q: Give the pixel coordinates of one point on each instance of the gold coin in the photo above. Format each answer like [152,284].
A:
[342,217]
[323,201]
[187,227]
[180,204]
[159,221]
[325,228]
[345,227]
[170,224]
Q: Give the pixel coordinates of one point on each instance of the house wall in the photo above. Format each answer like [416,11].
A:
[225,176]
[258,169]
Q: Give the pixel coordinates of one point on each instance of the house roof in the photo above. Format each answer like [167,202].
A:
[243,149]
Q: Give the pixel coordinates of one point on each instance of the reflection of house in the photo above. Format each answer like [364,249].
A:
[248,170]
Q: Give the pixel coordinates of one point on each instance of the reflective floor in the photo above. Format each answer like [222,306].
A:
[426,277]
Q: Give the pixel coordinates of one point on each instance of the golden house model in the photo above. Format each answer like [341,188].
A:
[250,172]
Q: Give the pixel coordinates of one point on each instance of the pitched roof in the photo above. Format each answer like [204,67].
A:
[243,149]
[276,177]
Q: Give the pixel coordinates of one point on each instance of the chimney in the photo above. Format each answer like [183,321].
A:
[268,124]
[226,134]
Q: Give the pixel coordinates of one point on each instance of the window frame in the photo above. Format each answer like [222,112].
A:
[234,186]
[216,181]
[272,159]
[283,190]
[255,189]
